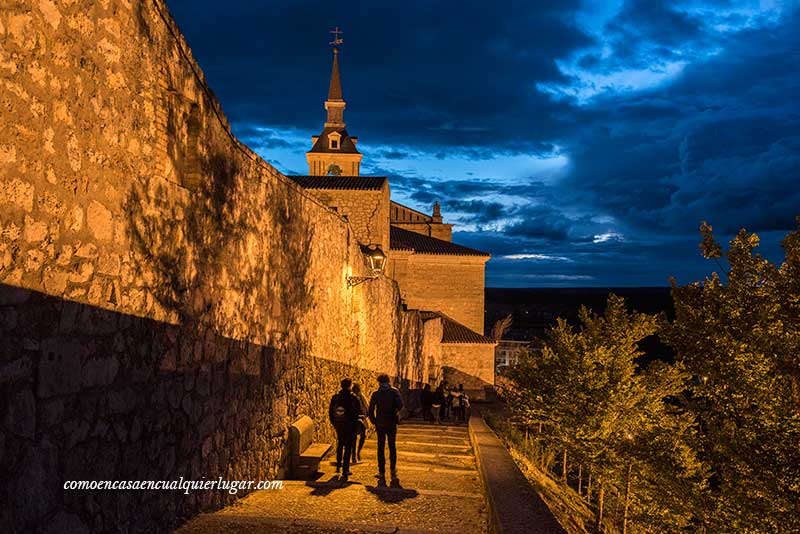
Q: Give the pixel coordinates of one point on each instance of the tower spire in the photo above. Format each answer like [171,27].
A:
[334,151]
[335,89]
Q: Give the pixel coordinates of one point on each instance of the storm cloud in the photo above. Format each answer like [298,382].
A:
[602,133]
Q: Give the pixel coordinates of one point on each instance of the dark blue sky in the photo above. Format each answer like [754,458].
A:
[581,143]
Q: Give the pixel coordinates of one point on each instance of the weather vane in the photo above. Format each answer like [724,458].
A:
[337,40]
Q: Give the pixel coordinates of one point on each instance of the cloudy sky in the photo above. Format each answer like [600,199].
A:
[580,142]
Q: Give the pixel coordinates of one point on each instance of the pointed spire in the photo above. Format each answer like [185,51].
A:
[335,89]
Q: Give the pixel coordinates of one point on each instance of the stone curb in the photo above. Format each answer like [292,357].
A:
[514,506]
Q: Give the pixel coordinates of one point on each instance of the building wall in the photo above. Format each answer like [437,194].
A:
[449,284]
[367,211]
[414,221]
[169,303]
[319,162]
[469,364]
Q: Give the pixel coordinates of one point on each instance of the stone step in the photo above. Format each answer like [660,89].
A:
[434,460]
[424,448]
[438,428]
[421,437]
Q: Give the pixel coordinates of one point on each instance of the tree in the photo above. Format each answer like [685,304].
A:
[500,327]
[741,340]
[587,390]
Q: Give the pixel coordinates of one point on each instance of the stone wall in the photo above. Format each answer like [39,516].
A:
[449,284]
[169,303]
[471,364]
[367,211]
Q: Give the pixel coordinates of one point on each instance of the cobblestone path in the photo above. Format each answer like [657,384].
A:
[440,491]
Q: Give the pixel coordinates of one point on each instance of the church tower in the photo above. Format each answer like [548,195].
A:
[333,152]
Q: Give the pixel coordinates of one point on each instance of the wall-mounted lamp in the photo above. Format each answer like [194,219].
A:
[376,262]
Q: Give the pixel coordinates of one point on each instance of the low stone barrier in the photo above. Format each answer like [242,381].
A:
[515,507]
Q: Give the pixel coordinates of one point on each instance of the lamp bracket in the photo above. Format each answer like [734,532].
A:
[355,280]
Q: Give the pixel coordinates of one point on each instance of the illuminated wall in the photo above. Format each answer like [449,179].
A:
[169,302]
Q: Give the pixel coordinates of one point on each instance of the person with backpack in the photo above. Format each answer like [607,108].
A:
[384,409]
[343,413]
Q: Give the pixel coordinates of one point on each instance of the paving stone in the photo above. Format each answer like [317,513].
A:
[436,493]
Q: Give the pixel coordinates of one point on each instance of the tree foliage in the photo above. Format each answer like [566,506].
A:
[741,340]
[614,418]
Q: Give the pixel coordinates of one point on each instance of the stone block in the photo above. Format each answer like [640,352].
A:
[18,193]
[16,370]
[100,371]
[100,221]
[36,491]
[87,251]
[20,416]
[34,260]
[52,412]
[34,231]
[59,369]
[55,281]
[109,264]
[65,523]
[83,273]
[8,318]
[73,222]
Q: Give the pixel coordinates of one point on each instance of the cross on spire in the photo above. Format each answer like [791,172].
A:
[337,40]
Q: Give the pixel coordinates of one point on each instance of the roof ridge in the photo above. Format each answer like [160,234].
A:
[470,336]
[425,244]
[411,209]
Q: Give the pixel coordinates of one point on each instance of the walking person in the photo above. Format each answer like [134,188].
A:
[384,409]
[343,413]
[361,424]
[463,403]
[448,405]
[455,404]
[438,401]
[427,402]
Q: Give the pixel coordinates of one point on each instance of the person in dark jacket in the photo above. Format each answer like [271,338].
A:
[426,398]
[384,409]
[343,413]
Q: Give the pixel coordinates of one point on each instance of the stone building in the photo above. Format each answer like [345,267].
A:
[507,353]
[434,274]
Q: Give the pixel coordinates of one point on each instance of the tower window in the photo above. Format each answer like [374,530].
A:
[334,143]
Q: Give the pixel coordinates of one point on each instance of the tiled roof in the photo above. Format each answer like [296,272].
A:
[455,332]
[340,182]
[401,239]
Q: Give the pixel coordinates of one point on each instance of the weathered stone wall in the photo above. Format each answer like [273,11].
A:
[367,211]
[169,303]
[449,284]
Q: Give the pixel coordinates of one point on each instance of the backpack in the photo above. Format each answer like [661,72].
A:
[340,410]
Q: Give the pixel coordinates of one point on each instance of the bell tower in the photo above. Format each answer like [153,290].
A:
[333,152]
